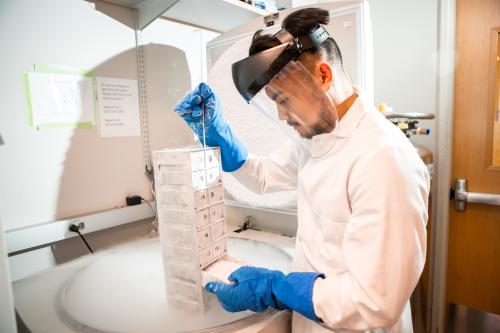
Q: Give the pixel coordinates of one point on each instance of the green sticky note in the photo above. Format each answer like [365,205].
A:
[27,98]
[56,70]
[53,70]
[65,125]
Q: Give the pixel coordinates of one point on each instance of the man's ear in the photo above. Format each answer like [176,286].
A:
[326,73]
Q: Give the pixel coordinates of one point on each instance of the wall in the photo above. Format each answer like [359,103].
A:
[405,57]
[52,174]
[192,41]
[36,165]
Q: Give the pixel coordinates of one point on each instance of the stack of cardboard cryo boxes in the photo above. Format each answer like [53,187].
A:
[190,205]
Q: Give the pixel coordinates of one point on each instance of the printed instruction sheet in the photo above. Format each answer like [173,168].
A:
[118,105]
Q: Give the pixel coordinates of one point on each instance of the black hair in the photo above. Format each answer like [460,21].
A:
[298,23]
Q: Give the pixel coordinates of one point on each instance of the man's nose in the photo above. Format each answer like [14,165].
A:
[283,114]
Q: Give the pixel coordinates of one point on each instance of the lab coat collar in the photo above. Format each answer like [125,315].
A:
[322,143]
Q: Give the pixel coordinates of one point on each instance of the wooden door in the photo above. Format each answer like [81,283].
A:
[474,235]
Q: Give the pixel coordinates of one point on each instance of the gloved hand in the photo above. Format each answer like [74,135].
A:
[217,131]
[257,289]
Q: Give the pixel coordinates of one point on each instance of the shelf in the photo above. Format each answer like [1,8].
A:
[216,15]
[248,7]
[220,15]
[39,235]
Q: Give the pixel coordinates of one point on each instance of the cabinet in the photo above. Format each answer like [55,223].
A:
[216,15]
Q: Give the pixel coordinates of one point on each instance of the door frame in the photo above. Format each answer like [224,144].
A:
[442,159]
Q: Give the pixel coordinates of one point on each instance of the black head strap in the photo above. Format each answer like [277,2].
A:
[305,42]
[283,36]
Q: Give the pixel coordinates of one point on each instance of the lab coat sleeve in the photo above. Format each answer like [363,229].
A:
[384,243]
[276,172]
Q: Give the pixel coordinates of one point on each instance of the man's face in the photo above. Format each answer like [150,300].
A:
[301,102]
[295,112]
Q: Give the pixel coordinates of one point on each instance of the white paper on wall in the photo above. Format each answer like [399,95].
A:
[118,105]
[61,99]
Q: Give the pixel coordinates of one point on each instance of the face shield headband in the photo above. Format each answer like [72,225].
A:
[253,73]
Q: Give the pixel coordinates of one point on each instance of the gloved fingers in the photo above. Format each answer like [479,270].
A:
[181,110]
[189,114]
[201,98]
[228,293]
[205,92]
[212,104]
[227,296]
[247,272]
[200,94]
[214,287]
[244,306]
[197,111]
[233,298]
[238,274]
[192,99]
[233,277]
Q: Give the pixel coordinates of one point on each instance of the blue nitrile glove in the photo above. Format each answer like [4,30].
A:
[217,131]
[257,289]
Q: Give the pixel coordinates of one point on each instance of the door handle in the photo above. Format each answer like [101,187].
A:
[462,197]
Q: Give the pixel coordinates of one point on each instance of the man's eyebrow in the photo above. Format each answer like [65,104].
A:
[275,95]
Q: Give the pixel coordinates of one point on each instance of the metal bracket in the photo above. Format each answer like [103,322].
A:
[143,103]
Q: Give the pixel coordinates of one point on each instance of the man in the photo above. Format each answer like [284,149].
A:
[362,188]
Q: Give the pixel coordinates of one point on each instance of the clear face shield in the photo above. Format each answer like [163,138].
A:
[287,92]
[296,101]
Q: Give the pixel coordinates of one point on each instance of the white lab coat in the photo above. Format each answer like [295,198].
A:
[362,211]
